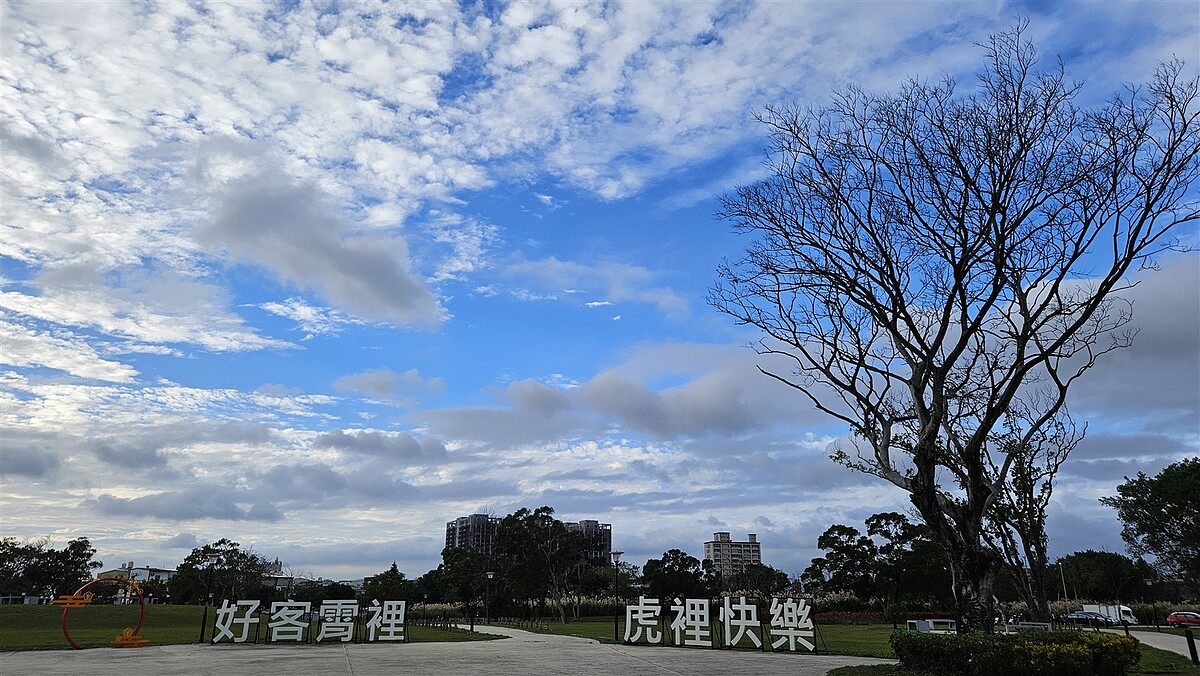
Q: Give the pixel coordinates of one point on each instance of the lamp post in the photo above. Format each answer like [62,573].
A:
[212,562]
[487,598]
[616,555]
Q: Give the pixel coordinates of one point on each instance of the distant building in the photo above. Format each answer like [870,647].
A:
[729,557]
[474,532]
[141,574]
[602,532]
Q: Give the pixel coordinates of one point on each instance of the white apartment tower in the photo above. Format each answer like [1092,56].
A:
[729,557]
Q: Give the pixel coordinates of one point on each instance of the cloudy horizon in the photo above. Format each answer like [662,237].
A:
[319,279]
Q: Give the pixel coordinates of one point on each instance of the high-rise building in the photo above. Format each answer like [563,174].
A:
[601,545]
[474,532]
[729,557]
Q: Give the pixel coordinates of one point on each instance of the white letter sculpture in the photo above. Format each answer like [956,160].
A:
[644,615]
[227,617]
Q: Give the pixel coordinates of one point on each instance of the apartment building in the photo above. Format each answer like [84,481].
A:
[474,532]
[730,557]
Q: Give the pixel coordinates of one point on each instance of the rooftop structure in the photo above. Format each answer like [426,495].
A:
[730,557]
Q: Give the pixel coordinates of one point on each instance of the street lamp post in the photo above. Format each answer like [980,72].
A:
[487,598]
[212,562]
[616,555]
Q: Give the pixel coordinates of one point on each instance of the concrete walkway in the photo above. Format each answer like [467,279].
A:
[522,653]
[1162,641]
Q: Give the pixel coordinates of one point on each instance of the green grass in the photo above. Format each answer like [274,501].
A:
[1155,661]
[839,639]
[40,628]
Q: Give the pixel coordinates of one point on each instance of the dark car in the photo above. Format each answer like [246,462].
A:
[1086,619]
[1183,618]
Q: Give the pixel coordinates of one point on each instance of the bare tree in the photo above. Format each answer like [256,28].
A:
[939,268]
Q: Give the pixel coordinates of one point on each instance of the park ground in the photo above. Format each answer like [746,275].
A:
[34,634]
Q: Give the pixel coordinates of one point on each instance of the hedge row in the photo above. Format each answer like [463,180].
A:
[1027,653]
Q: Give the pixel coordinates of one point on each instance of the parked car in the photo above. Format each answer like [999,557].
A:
[1183,618]
[1086,619]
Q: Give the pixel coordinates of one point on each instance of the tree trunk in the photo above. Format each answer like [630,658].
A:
[974,576]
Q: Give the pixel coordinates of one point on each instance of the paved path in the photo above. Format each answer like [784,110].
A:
[1162,641]
[521,654]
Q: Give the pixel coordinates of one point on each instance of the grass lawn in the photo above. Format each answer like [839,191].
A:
[40,628]
[839,639]
[1153,661]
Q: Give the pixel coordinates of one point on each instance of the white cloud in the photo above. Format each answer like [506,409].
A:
[311,319]
[147,306]
[63,351]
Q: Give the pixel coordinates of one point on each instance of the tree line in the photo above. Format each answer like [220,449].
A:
[540,567]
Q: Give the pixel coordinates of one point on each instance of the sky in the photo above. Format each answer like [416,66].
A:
[319,278]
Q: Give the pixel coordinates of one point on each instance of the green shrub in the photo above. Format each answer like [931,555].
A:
[1029,653]
[1032,658]
[1112,654]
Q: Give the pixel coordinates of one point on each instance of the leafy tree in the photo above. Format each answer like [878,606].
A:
[676,574]
[34,567]
[848,564]
[460,578]
[759,580]
[1161,517]
[937,269]
[910,569]
[390,585]
[1105,576]
[236,574]
[158,589]
[429,586]
[587,576]
[536,553]
[309,590]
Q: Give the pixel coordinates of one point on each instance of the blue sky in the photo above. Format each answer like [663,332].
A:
[319,278]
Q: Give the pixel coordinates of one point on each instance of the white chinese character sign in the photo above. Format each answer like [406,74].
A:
[739,621]
[337,620]
[646,615]
[791,624]
[289,621]
[386,622]
[296,622]
[691,626]
[239,614]
[737,624]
